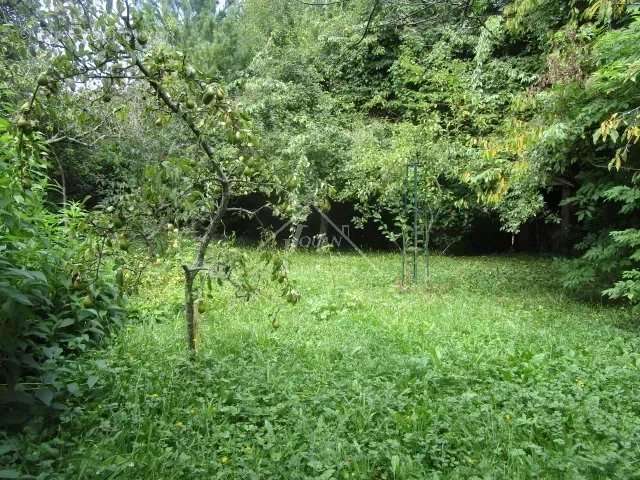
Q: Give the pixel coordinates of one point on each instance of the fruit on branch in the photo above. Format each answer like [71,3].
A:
[143,39]
[120,279]
[209,95]
[52,85]
[23,123]
[43,80]
[293,297]
[202,306]
[123,244]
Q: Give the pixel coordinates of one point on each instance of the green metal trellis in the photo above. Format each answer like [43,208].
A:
[411,220]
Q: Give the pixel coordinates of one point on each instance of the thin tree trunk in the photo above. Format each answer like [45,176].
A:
[189,310]
[324,225]
[294,240]
[404,255]
[324,228]
[63,181]
[427,232]
[565,219]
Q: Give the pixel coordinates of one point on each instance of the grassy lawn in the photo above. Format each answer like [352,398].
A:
[489,371]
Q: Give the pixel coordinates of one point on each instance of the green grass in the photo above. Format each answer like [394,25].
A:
[489,371]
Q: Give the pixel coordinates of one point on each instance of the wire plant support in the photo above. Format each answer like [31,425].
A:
[415,227]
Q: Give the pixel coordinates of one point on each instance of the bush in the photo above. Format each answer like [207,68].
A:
[54,302]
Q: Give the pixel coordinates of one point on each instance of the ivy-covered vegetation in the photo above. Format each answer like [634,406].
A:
[134,131]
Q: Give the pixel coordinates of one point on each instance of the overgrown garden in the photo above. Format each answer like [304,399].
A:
[159,159]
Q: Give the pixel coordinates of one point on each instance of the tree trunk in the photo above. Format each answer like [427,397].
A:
[324,228]
[189,310]
[324,225]
[427,259]
[294,240]
[565,220]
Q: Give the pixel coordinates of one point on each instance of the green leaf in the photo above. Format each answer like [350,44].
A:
[65,322]
[73,389]
[92,380]
[45,395]
[395,463]
[6,448]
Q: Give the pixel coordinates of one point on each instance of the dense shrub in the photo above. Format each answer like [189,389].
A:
[55,300]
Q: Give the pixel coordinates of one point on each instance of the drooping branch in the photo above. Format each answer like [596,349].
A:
[367,27]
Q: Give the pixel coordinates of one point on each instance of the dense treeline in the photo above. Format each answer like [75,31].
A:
[524,110]
[123,125]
